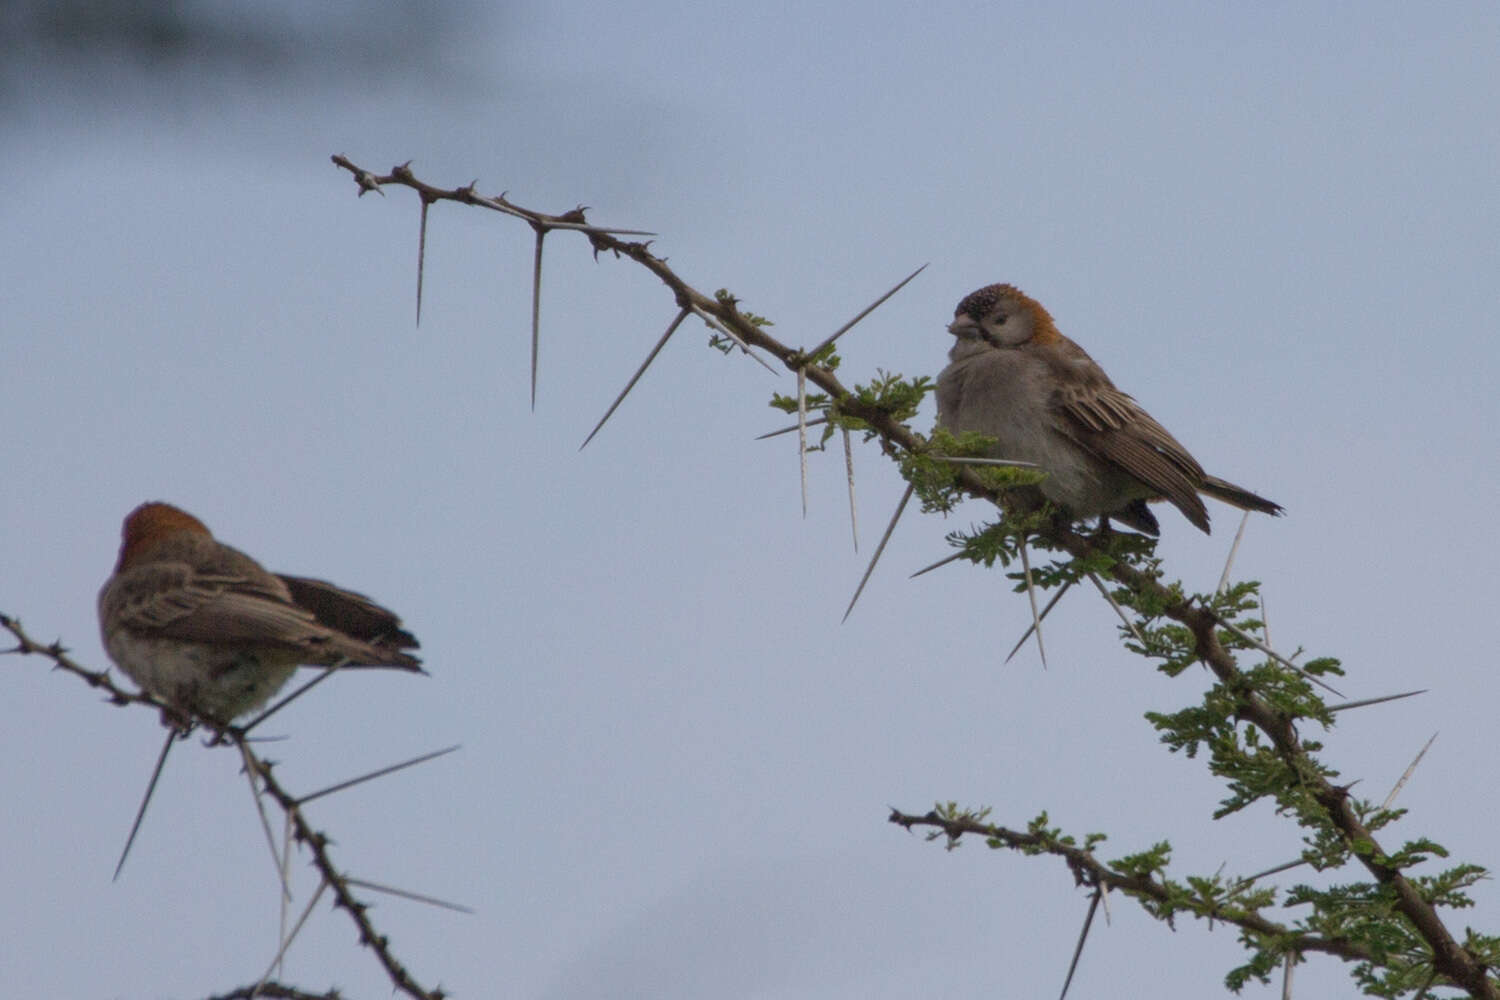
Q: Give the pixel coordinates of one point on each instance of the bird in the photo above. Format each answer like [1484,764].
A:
[208,631]
[1014,377]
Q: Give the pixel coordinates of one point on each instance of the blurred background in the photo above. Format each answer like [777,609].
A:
[1274,225]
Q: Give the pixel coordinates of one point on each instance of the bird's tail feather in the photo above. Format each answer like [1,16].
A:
[1238,496]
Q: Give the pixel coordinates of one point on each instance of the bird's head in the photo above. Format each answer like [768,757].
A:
[151,523]
[1002,316]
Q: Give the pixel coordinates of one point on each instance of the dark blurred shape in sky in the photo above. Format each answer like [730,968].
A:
[105,51]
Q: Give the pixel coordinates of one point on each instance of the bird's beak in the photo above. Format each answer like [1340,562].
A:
[964,325]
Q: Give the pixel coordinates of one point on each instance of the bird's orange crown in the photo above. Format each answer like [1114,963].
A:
[150,523]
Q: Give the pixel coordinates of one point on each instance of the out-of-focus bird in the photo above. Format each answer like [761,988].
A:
[204,628]
[1013,377]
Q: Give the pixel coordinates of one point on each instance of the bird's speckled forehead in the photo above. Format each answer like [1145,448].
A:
[979,304]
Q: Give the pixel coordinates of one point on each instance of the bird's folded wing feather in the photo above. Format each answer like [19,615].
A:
[173,601]
[350,613]
[1113,426]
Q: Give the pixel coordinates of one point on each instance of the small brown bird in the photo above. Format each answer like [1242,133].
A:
[203,627]
[1013,377]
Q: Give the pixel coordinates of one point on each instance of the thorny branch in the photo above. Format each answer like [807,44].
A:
[1450,960]
[58,654]
[302,829]
[1090,871]
[317,843]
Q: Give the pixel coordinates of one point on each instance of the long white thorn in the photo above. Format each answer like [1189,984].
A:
[802,433]
[671,329]
[713,321]
[1407,773]
[1008,463]
[941,562]
[1233,548]
[900,507]
[286,942]
[283,703]
[140,813]
[378,773]
[1219,620]
[415,897]
[1375,701]
[536,309]
[277,860]
[1285,866]
[1103,590]
[286,874]
[421,256]
[867,310]
[1036,618]
[849,475]
[1082,937]
[815,421]
[1032,628]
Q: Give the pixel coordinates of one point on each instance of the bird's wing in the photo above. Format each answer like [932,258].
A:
[1113,426]
[350,613]
[172,600]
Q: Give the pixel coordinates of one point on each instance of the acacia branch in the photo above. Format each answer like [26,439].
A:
[1090,871]
[58,654]
[317,844]
[1450,960]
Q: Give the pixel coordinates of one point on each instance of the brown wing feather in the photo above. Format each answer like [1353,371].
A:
[1113,426]
[350,613]
[179,603]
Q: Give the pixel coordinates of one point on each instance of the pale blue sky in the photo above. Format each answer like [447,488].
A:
[1276,226]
